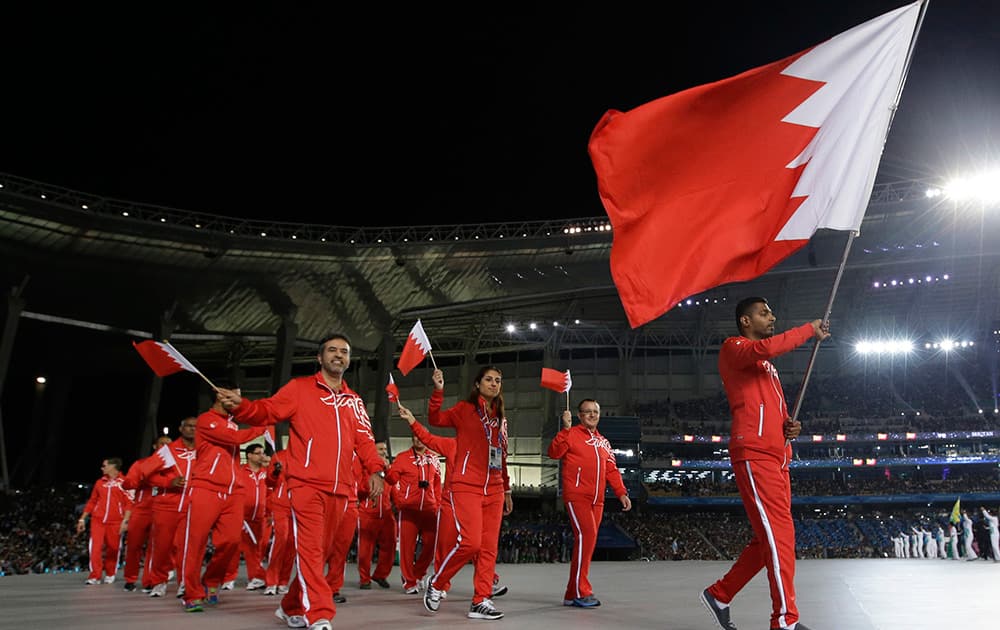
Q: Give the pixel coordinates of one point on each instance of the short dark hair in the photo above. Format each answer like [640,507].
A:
[580,404]
[115,461]
[252,448]
[333,335]
[745,307]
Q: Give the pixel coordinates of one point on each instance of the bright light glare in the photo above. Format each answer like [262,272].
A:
[981,187]
[890,346]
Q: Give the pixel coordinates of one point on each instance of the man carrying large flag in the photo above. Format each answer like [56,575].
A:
[729,179]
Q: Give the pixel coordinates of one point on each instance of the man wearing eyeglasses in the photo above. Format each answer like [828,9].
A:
[588,464]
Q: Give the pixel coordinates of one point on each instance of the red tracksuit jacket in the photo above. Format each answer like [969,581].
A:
[476,431]
[325,428]
[217,442]
[756,400]
[108,500]
[253,486]
[408,470]
[277,495]
[588,463]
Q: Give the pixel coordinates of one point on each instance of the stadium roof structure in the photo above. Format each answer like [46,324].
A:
[229,284]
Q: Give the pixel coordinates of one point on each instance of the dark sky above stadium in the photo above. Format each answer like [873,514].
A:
[393,116]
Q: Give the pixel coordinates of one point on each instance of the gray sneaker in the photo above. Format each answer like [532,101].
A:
[292,621]
[484,610]
[721,615]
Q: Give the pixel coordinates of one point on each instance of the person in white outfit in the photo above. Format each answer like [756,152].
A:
[939,537]
[993,523]
[915,540]
[930,548]
[967,536]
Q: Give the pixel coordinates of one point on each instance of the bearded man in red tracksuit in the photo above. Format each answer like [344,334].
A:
[416,473]
[170,509]
[327,423]
[588,464]
[213,505]
[376,527]
[760,451]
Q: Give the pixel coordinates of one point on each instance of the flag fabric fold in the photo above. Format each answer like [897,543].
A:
[163,358]
[556,381]
[269,439]
[392,390]
[164,458]
[721,182]
[956,511]
[417,347]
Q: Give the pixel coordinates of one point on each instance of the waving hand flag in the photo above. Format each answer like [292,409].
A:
[164,359]
[721,182]
[556,381]
[392,390]
[417,347]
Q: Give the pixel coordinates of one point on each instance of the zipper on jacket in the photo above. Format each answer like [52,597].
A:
[211,471]
[598,487]
[309,446]
[465,462]
[760,423]
[578,470]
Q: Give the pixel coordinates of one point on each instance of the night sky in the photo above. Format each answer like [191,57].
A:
[417,116]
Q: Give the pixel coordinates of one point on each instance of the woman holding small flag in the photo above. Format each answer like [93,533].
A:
[480,488]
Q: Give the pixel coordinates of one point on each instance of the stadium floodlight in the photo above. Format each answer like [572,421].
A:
[888,346]
[984,187]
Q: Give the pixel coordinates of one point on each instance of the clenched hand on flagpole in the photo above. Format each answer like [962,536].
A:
[164,360]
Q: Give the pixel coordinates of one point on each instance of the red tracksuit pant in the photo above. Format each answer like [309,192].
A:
[585,519]
[279,562]
[168,541]
[220,515]
[140,527]
[251,533]
[336,561]
[381,532]
[315,518]
[414,524]
[477,520]
[766,490]
[105,543]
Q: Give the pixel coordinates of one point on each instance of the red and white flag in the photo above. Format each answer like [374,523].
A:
[721,182]
[166,456]
[392,390]
[163,358]
[556,380]
[269,439]
[417,347]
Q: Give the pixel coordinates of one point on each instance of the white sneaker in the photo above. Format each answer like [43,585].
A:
[255,584]
[432,598]
[159,590]
[228,586]
[484,610]
[292,621]
[109,579]
[271,590]
[180,591]
[282,589]
[499,590]
[92,582]
[171,575]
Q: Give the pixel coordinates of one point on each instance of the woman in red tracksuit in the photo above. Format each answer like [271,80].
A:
[480,489]
[213,505]
[416,473]
[588,464]
[760,450]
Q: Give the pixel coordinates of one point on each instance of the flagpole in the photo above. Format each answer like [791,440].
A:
[431,355]
[196,370]
[852,234]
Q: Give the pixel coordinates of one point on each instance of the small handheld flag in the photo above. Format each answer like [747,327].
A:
[392,390]
[417,347]
[164,359]
[556,381]
[269,439]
